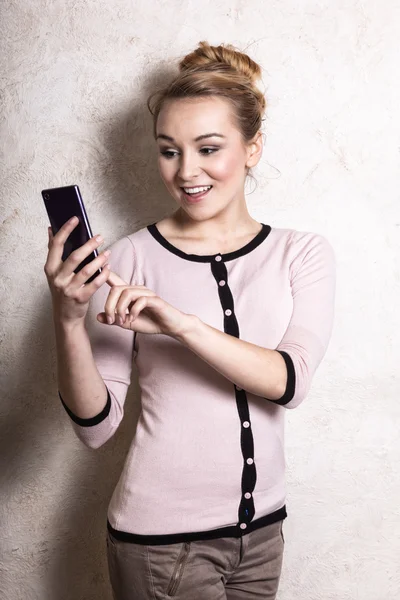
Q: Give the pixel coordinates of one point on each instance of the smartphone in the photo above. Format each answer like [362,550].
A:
[62,204]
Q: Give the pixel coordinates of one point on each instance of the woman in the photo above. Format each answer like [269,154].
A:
[227,320]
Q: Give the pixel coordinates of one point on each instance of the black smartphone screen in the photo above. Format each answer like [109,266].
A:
[62,204]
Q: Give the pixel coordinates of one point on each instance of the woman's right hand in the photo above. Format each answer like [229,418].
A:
[70,293]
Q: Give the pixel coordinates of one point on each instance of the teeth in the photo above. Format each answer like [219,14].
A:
[197,190]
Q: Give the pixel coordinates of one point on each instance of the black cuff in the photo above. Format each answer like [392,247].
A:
[291,380]
[92,420]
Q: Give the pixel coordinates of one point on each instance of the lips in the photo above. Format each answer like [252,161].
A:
[191,198]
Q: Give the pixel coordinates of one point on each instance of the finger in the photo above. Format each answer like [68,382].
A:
[114,279]
[112,301]
[128,298]
[91,268]
[120,297]
[67,269]
[102,318]
[139,305]
[57,243]
[145,302]
[87,290]
[137,309]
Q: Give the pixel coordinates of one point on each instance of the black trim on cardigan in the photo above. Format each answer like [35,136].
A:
[92,420]
[291,380]
[256,241]
[173,538]
[246,510]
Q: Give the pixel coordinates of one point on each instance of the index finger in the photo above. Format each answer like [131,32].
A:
[114,279]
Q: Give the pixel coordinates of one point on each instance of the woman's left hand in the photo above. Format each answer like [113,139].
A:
[141,310]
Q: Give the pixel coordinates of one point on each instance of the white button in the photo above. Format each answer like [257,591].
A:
[238,388]
[228,312]
[218,258]
[247,495]
[222,282]
[243,525]
[246,424]
[249,461]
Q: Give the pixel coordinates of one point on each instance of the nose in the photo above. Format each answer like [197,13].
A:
[189,167]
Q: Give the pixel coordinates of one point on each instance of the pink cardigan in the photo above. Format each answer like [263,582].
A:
[207,459]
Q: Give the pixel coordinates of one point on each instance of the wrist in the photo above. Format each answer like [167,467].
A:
[189,325]
[67,325]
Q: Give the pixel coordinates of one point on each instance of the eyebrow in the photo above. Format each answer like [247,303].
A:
[200,137]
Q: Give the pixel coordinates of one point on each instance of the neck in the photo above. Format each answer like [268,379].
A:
[220,227]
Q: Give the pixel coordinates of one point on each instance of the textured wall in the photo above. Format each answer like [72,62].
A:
[75,76]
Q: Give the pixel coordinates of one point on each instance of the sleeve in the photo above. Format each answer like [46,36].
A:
[113,352]
[304,344]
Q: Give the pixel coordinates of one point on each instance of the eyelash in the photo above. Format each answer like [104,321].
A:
[167,153]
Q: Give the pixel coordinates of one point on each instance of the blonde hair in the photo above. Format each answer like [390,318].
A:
[222,71]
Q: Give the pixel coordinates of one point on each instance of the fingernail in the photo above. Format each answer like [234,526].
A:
[110,320]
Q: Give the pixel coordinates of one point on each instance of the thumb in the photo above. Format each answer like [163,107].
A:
[114,279]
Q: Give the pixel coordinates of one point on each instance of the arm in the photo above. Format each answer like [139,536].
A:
[94,362]
[77,375]
[282,375]
[255,369]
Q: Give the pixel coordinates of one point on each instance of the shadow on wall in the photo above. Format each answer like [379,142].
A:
[49,470]
[70,560]
[135,194]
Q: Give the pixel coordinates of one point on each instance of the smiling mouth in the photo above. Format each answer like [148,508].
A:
[195,186]
[197,196]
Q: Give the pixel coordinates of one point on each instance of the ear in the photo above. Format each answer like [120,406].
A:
[255,149]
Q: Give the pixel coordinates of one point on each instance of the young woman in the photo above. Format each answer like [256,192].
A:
[227,320]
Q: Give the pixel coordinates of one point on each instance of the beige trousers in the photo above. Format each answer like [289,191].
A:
[244,568]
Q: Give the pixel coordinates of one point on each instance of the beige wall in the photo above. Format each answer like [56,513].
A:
[75,76]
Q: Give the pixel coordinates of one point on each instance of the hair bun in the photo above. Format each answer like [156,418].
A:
[207,56]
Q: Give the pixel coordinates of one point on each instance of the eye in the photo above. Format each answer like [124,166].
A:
[167,153]
[212,150]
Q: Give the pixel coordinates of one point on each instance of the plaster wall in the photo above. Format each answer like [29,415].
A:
[74,79]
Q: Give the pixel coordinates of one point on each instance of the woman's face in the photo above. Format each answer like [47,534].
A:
[217,161]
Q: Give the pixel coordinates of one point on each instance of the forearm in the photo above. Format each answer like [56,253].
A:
[257,370]
[79,382]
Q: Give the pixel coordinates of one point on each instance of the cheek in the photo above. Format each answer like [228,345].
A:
[221,168]
[224,168]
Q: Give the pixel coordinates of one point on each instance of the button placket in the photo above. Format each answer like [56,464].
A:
[246,509]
